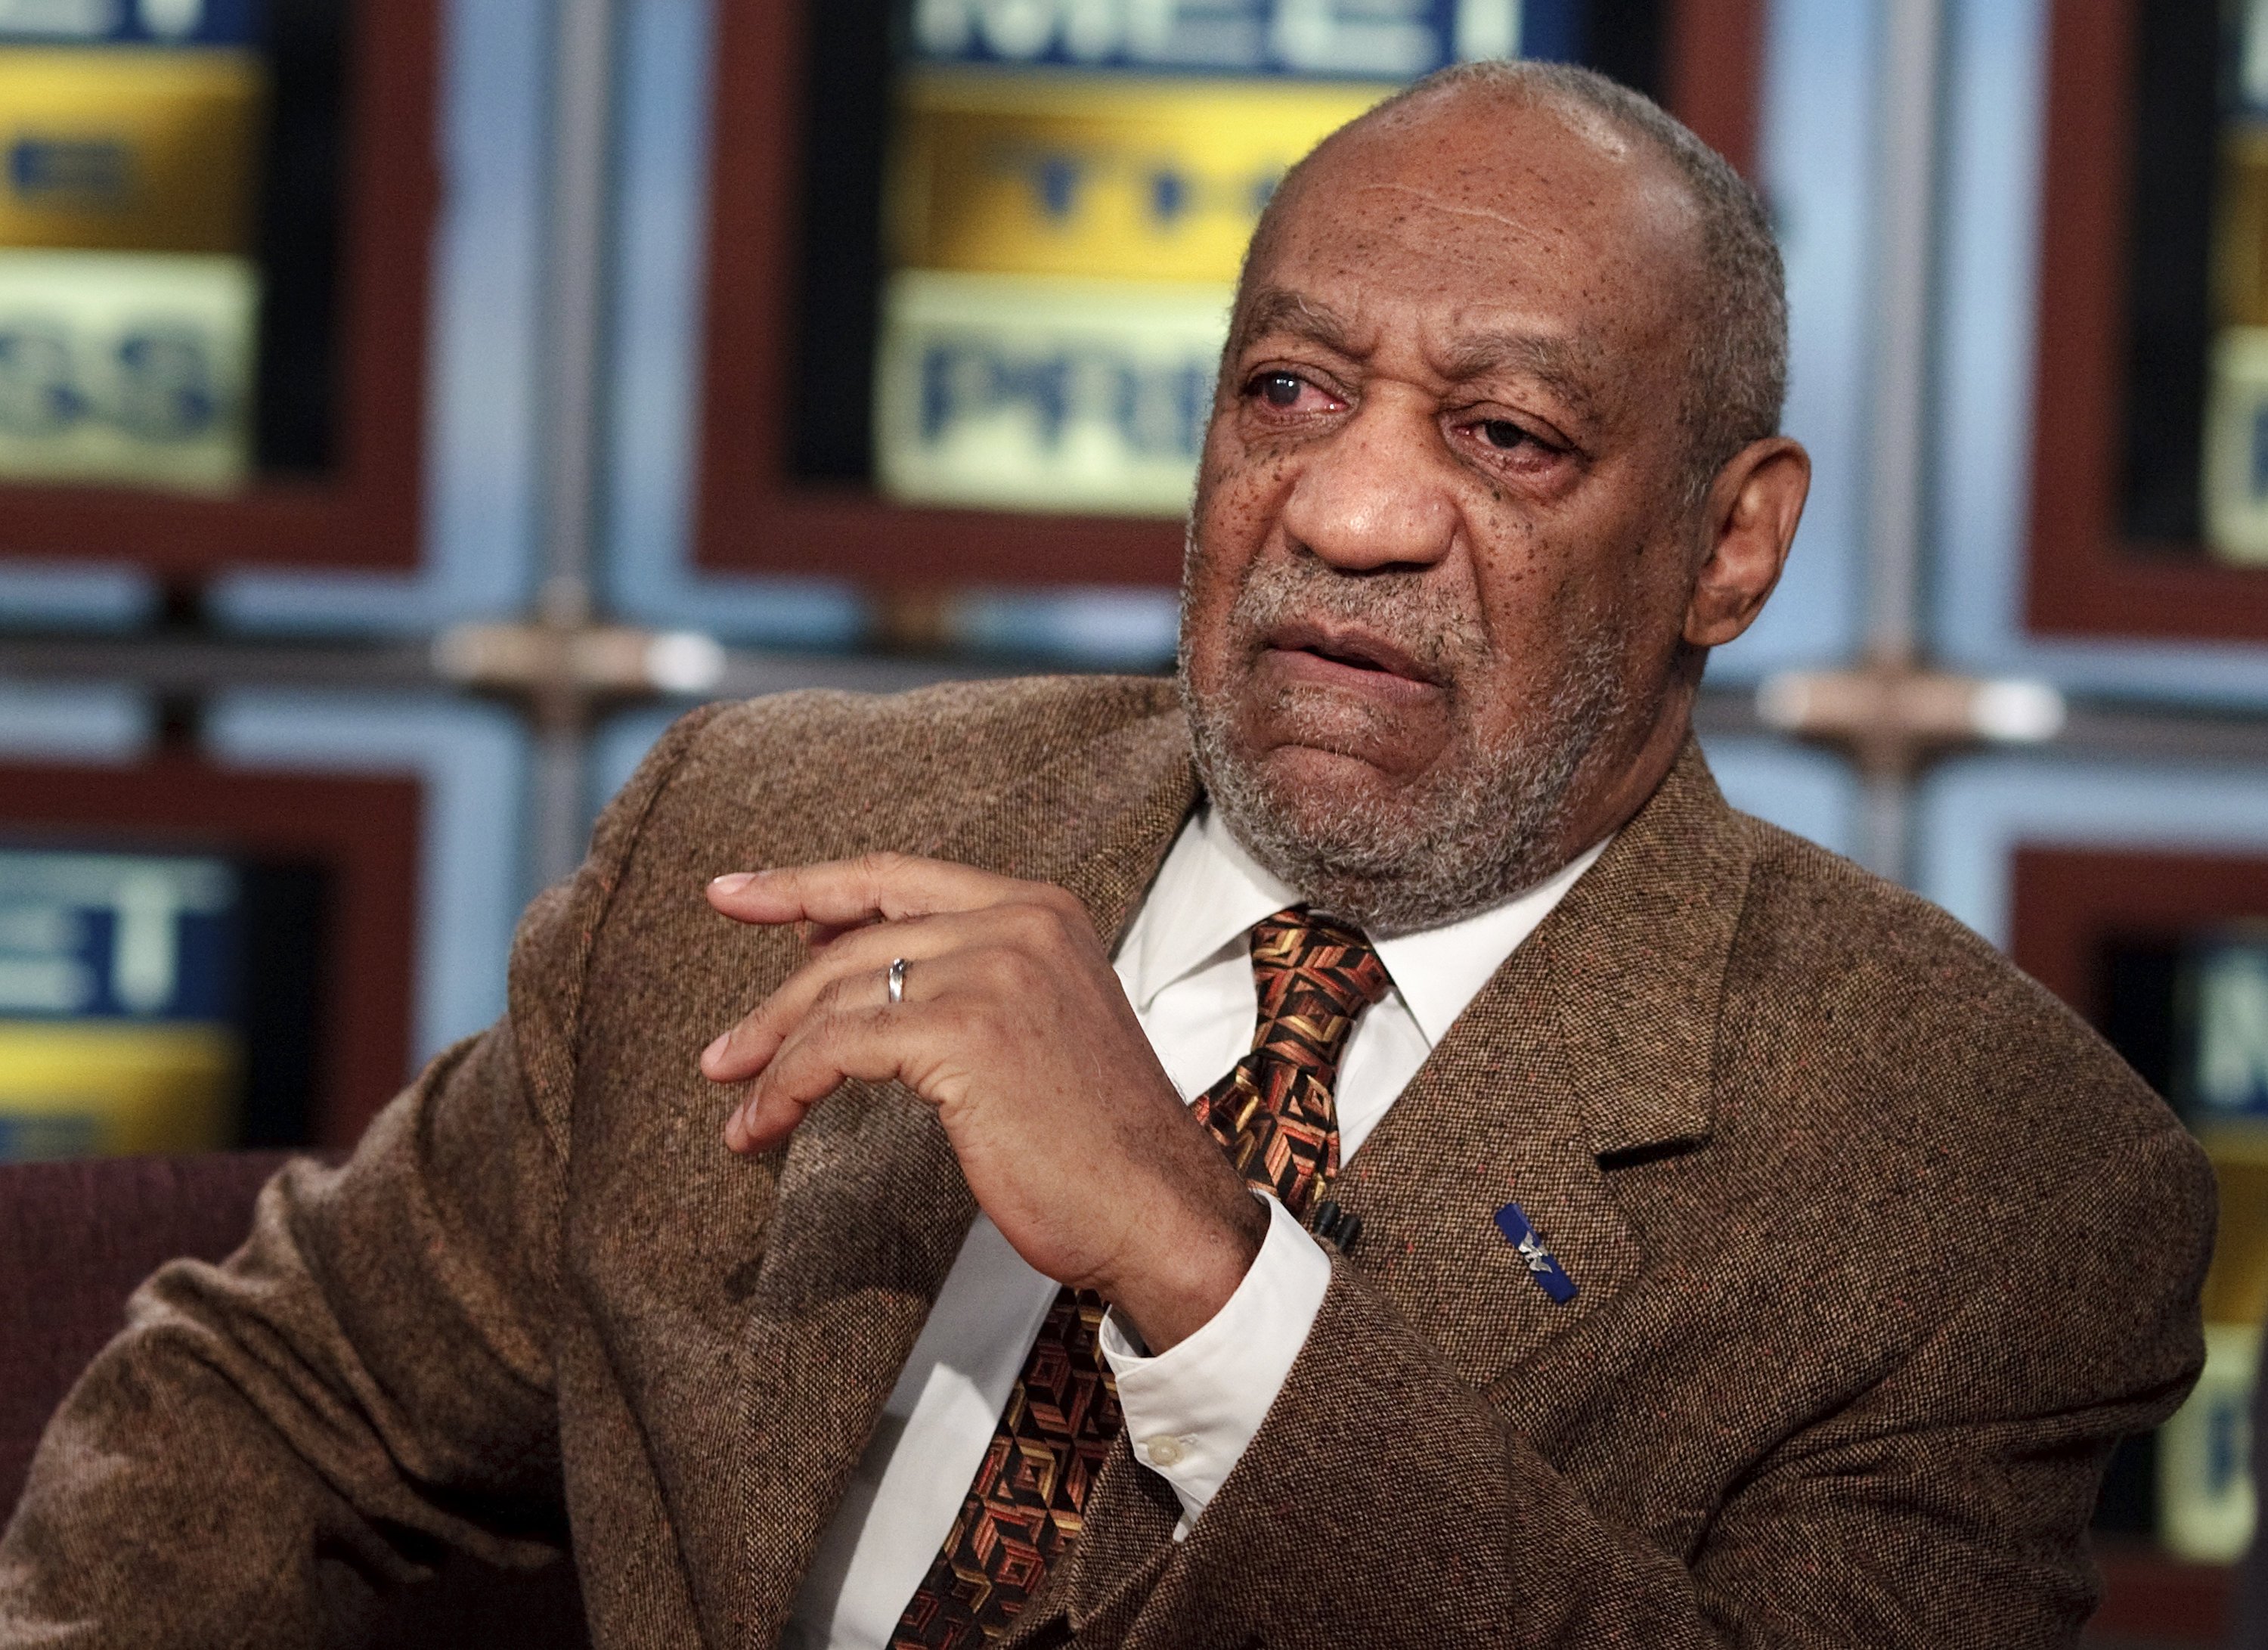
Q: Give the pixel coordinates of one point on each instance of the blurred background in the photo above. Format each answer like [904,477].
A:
[405,408]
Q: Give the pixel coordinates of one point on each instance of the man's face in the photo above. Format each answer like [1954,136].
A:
[1441,547]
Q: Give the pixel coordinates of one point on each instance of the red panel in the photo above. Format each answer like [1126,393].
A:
[366,514]
[1714,50]
[2082,575]
[2069,902]
[2151,1599]
[363,829]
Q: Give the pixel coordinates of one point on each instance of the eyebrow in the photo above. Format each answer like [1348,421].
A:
[1560,365]
[1278,309]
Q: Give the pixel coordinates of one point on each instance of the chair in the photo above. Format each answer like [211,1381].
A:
[76,1238]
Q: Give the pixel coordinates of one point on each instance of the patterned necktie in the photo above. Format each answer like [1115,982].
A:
[1273,1114]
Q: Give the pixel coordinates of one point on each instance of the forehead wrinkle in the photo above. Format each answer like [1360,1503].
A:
[1432,199]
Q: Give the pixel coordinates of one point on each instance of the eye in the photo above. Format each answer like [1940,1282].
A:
[1503,434]
[1280,390]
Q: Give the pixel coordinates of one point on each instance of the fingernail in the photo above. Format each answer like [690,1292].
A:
[733,881]
[716,1048]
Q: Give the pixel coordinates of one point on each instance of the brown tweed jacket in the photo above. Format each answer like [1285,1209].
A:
[1877,1251]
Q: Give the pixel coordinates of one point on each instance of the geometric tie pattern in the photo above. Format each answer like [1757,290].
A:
[1274,1116]
[1273,1113]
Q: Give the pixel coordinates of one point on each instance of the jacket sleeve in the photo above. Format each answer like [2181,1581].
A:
[1385,1503]
[367,1383]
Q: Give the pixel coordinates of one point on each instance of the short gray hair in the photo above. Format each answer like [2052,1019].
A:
[1737,382]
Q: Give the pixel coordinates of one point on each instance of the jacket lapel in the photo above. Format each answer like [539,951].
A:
[872,1208]
[1593,1040]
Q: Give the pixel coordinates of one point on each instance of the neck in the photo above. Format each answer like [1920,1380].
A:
[1623,776]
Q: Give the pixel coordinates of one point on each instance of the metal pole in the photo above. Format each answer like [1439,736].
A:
[1905,259]
[582,143]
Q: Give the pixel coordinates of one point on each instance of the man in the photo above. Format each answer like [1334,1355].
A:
[1635,1226]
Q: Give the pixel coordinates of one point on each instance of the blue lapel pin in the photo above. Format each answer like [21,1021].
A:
[1549,1276]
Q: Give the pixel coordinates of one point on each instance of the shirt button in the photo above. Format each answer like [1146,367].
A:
[1165,1452]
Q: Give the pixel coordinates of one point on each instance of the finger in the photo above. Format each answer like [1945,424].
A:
[873,1045]
[866,954]
[843,894]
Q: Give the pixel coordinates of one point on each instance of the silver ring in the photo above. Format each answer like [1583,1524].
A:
[898,980]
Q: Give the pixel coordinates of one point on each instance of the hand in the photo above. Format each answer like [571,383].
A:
[1015,1028]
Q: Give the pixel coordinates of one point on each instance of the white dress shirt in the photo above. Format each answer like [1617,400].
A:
[1190,1411]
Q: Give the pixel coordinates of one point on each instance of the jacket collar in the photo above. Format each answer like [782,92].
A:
[1634,964]
[1593,1041]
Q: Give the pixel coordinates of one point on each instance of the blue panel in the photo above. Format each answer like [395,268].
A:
[111,936]
[1103,630]
[1796,788]
[44,1139]
[1551,31]
[67,592]
[1816,152]
[1367,40]
[1998,59]
[130,22]
[483,358]
[473,761]
[2228,991]
[620,744]
[663,197]
[1975,812]
[75,724]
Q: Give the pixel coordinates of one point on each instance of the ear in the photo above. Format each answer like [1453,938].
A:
[1748,523]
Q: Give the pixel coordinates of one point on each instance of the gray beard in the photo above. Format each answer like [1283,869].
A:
[1459,840]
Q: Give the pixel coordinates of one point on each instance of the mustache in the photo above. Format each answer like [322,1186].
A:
[1438,627]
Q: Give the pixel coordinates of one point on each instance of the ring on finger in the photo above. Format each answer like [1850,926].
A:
[897,986]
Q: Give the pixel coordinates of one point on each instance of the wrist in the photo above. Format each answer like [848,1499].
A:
[1183,1280]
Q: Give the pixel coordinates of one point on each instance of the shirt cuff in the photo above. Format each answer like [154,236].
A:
[1192,1410]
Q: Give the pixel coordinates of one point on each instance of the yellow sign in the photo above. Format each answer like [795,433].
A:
[2235,459]
[1040,174]
[2207,1503]
[1026,393]
[2240,251]
[103,1088]
[151,151]
[127,367]
[2236,1286]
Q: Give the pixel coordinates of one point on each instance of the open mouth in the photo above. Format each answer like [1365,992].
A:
[1333,652]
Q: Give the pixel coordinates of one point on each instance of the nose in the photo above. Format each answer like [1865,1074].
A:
[1373,496]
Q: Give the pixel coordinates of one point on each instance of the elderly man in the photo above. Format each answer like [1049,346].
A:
[1372,1153]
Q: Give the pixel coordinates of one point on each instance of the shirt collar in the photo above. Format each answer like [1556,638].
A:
[1210,892]
[1438,971]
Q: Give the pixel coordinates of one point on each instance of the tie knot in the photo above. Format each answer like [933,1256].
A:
[1317,970]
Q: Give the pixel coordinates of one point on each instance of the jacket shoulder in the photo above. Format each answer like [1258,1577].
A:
[825,774]
[1847,993]
[977,735]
